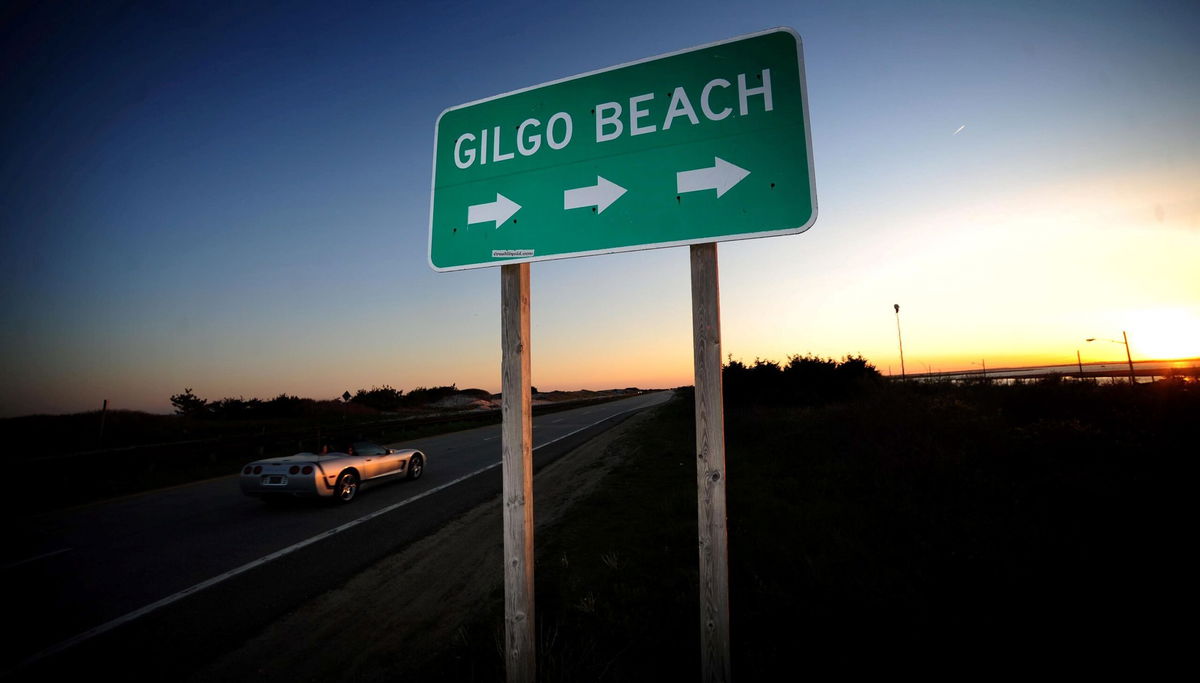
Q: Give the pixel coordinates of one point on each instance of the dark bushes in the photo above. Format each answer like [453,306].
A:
[282,406]
[382,398]
[804,380]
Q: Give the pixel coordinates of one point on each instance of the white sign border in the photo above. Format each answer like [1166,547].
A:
[812,181]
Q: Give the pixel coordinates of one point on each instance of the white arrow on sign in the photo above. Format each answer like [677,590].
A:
[720,177]
[601,195]
[499,211]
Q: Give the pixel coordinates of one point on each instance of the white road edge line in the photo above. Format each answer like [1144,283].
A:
[35,558]
[583,428]
[138,613]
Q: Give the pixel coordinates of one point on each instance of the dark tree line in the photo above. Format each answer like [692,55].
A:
[380,399]
[803,380]
[188,404]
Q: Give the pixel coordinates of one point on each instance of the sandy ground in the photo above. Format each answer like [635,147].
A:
[396,613]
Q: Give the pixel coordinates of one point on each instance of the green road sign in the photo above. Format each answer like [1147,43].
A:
[702,145]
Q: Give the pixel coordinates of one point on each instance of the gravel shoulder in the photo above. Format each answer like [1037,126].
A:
[391,618]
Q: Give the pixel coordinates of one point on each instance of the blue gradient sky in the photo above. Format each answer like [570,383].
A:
[236,200]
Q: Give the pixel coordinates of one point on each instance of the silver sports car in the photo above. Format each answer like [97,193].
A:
[336,473]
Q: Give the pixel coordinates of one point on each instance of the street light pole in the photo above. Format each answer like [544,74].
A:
[901,340]
[1128,356]
[983,364]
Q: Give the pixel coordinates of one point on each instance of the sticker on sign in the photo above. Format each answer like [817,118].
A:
[706,144]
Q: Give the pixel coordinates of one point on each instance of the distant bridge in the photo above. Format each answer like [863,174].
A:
[1145,371]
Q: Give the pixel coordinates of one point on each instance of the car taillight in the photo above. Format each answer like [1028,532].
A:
[247,470]
[307,469]
[294,469]
[258,469]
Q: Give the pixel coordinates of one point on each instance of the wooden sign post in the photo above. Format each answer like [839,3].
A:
[710,465]
[517,452]
[556,170]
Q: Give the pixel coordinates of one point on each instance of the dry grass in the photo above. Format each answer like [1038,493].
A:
[958,530]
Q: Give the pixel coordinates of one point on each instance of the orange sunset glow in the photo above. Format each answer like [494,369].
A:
[1016,187]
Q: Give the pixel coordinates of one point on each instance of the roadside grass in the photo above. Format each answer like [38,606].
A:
[616,578]
[978,528]
[953,530]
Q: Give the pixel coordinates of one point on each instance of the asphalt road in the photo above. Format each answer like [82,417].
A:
[164,579]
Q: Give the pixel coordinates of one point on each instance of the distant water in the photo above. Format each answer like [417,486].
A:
[1145,370]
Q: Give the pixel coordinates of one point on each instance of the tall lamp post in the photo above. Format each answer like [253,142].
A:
[900,339]
[983,364]
[1128,356]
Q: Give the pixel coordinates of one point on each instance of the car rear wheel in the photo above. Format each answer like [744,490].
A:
[347,487]
[415,467]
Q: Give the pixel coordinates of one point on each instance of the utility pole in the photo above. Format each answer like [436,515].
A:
[1129,358]
[900,339]
[103,414]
